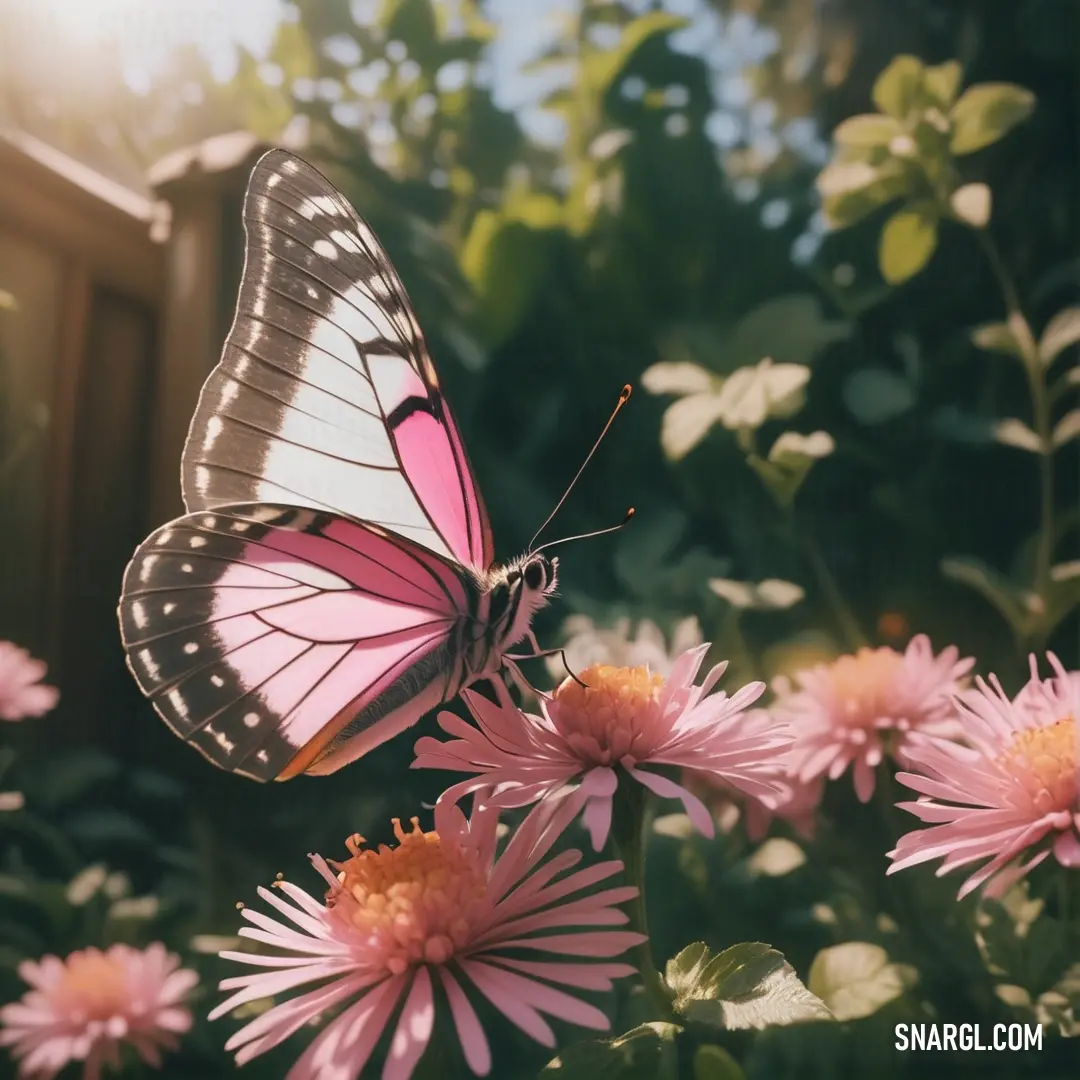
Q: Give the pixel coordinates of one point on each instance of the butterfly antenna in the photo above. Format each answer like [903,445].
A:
[624,397]
[589,535]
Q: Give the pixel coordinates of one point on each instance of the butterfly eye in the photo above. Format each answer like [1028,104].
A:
[534,575]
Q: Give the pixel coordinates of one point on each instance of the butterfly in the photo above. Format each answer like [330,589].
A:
[334,577]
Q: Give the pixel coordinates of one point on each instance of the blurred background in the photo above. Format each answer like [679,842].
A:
[577,195]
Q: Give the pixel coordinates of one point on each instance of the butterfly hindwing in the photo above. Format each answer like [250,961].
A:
[262,633]
[325,396]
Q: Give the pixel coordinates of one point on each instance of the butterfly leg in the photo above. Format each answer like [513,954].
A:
[517,676]
[561,653]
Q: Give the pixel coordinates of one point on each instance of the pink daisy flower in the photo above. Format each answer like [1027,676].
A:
[439,907]
[86,1007]
[21,692]
[858,709]
[1014,787]
[796,803]
[622,720]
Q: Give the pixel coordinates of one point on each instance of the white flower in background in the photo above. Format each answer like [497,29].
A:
[588,644]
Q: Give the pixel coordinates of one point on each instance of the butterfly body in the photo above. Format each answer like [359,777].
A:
[333,579]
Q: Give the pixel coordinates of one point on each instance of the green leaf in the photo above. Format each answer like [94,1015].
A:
[678,377]
[851,190]
[896,89]
[751,395]
[746,986]
[986,112]
[856,979]
[971,204]
[1014,432]
[790,459]
[1020,607]
[907,242]
[715,1063]
[874,395]
[777,857]
[503,260]
[686,422]
[1061,331]
[645,1053]
[942,81]
[791,328]
[601,69]
[867,131]
[1066,429]
[1013,337]
[772,594]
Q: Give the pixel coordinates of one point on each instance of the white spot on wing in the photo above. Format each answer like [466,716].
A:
[347,241]
[240,526]
[262,757]
[326,249]
[191,648]
[251,719]
[213,429]
[208,522]
[198,541]
[147,659]
[164,537]
[178,703]
[147,567]
[320,204]
[186,567]
[138,613]
[363,317]
[168,608]
[221,739]
[217,680]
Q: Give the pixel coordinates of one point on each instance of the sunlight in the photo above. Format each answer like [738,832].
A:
[147,33]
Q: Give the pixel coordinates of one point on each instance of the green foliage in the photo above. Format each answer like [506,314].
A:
[645,1053]
[813,448]
[746,986]
[906,152]
[856,979]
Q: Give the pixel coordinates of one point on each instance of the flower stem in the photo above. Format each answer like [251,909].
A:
[845,617]
[628,830]
[1040,408]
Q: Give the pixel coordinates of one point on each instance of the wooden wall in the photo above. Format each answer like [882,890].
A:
[100,368]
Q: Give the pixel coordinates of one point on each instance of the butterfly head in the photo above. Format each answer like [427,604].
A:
[539,574]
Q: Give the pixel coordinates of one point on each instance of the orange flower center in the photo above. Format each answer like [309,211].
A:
[413,904]
[863,685]
[1043,761]
[609,717]
[95,985]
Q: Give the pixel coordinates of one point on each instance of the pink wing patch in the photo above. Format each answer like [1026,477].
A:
[261,632]
[326,396]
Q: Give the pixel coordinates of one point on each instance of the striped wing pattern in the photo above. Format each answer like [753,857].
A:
[263,633]
[325,396]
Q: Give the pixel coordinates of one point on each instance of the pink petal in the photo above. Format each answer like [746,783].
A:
[583,976]
[1067,849]
[343,1048]
[474,1043]
[413,1029]
[545,998]
[597,819]
[516,1011]
[695,809]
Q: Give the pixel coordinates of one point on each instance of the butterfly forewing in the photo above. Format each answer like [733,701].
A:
[261,632]
[325,395]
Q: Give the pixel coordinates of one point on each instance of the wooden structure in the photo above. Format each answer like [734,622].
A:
[123,302]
